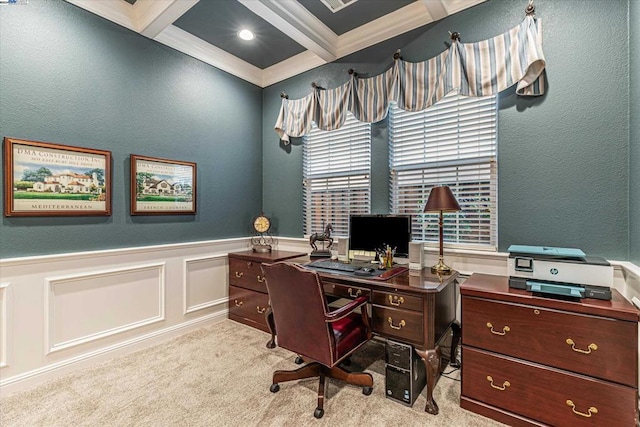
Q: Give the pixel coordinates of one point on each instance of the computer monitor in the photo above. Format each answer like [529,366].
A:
[369,233]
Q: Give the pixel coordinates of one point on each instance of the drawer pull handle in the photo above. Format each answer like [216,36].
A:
[395,300]
[239,275]
[592,346]
[261,310]
[260,279]
[504,330]
[400,325]
[592,410]
[237,303]
[497,387]
[356,295]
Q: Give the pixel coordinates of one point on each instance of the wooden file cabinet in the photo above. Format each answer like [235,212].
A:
[248,297]
[530,360]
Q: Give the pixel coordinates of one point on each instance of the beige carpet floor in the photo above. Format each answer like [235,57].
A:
[220,376]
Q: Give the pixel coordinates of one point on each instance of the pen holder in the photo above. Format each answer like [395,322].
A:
[387,261]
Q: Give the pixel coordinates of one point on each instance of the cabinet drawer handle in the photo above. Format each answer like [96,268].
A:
[592,346]
[260,279]
[356,295]
[239,275]
[395,300]
[237,303]
[504,330]
[592,410]
[261,310]
[497,387]
[400,325]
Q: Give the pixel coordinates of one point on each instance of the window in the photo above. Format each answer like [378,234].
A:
[336,168]
[451,143]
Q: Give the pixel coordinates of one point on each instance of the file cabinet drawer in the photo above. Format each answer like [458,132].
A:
[394,323]
[248,307]
[561,398]
[246,274]
[591,345]
[398,300]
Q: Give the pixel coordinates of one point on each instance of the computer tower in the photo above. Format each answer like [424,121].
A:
[405,373]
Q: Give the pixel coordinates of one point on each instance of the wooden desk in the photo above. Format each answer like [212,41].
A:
[412,308]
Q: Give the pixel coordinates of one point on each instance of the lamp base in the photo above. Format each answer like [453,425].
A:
[441,268]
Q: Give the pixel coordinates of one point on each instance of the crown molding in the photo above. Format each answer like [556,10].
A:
[154,18]
[191,45]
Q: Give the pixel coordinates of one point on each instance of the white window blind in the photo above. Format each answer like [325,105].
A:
[451,143]
[336,168]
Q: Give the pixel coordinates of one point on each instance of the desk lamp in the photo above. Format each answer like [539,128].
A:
[441,199]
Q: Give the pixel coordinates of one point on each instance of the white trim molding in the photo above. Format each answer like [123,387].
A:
[81,283]
[4,323]
[187,284]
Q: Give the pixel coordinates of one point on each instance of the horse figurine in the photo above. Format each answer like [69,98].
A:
[325,236]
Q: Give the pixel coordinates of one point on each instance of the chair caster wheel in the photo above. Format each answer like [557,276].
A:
[299,360]
[367,391]
[318,413]
[274,388]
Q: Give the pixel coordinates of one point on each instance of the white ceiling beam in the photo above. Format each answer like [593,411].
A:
[298,23]
[436,9]
[191,45]
[153,16]
[290,67]
[394,24]
[117,11]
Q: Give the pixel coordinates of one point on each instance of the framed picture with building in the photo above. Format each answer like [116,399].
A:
[162,186]
[47,179]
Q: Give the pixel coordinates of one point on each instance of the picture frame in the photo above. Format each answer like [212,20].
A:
[162,186]
[49,179]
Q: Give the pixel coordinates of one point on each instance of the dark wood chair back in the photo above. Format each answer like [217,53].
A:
[300,311]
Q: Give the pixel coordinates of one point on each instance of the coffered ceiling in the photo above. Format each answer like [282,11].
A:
[291,36]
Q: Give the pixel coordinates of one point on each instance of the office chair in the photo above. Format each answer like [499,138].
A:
[304,325]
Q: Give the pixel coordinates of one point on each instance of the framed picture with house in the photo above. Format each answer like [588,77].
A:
[48,179]
[162,186]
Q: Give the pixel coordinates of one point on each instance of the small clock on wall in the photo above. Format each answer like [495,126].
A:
[262,240]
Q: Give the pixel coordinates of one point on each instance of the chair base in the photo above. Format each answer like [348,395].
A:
[315,369]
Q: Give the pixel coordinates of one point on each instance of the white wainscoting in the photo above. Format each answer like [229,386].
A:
[63,312]
[87,307]
[59,313]
[4,323]
[198,272]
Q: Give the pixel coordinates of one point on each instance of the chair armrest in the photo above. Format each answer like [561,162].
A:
[346,310]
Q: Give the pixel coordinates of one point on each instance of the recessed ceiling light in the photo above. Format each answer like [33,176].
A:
[245,34]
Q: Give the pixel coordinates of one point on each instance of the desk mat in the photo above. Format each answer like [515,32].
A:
[392,272]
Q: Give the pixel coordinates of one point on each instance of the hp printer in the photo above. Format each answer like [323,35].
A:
[562,272]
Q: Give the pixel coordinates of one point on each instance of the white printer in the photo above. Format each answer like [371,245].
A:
[562,272]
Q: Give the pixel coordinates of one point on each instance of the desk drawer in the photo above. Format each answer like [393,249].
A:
[398,300]
[548,395]
[591,345]
[344,291]
[248,307]
[395,323]
[246,274]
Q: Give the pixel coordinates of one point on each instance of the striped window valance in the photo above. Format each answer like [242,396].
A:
[473,69]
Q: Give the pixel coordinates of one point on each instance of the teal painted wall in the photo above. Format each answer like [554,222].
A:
[69,77]
[634,134]
[563,158]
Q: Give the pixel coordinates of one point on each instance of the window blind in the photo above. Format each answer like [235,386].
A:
[336,169]
[452,143]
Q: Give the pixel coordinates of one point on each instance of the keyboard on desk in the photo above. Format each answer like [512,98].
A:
[328,264]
